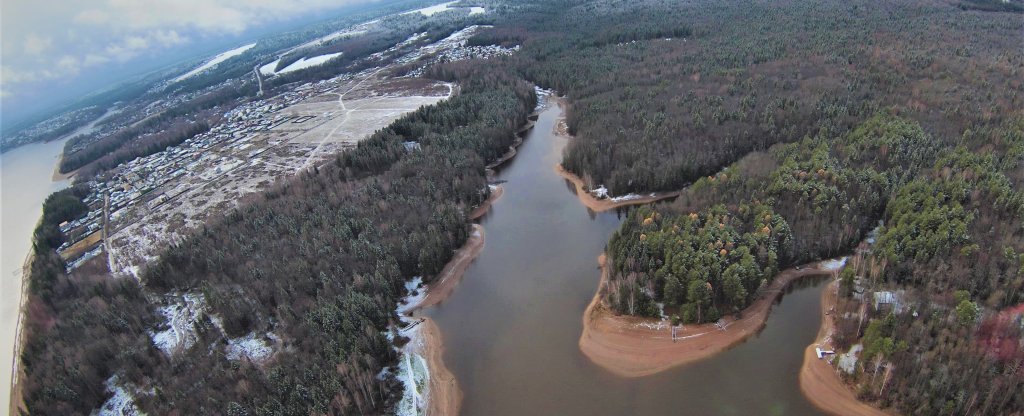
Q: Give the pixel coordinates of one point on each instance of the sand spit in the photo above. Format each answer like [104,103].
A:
[601,205]
[635,347]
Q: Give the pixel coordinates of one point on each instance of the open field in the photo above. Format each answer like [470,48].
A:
[302,135]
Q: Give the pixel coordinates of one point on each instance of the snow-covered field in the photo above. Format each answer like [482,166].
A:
[215,60]
[303,63]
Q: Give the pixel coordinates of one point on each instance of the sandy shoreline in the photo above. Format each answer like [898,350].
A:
[444,396]
[446,281]
[635,347]
[479,212]
[16,397]
[601,205]
[819,381]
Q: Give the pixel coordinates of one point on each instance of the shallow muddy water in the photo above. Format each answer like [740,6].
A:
[511,329]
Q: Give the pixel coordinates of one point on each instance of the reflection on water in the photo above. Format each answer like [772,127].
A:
[511,329]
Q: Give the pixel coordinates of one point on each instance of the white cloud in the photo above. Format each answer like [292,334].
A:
[37,45]
[50,39]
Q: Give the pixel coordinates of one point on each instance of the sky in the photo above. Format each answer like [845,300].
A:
[52,51]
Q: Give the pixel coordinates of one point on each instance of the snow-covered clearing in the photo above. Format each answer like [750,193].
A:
[304,63]
[268,69]
[454,40]
[215,61]
[477,10]
[122,403]
[350,32]
[181,317]
[251,346]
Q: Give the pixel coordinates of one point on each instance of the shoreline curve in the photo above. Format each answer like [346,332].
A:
[631,347]
[819,381]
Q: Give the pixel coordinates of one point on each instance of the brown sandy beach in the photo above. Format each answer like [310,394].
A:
[635,347]
[819,381]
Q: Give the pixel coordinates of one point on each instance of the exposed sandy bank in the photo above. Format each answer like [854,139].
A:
[444,396]
[17,399]
[819,381]
[634,347]
[601,205]
[446,281]
[496,193]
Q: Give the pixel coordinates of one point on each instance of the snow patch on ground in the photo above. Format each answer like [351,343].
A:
[660,325]
[414,295]
[476,10]
[251,346]
[414,375]
[834,264]
[848,361]
[627,197]
[873,235]
[122,403]
[215,61]
[601,193]
[181,317]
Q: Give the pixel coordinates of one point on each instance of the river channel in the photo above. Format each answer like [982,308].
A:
[511,328]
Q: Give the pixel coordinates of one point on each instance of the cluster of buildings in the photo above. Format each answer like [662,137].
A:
[202,157]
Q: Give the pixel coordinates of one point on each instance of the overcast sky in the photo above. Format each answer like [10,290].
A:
[51,45]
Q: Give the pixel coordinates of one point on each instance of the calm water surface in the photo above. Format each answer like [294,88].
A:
[25,181]
[511,329]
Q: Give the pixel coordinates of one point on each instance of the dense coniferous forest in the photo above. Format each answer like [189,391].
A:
[320,261]
[792,128]
[833,134]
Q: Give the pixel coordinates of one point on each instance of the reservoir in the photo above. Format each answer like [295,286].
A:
[26,179]
[511,328]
